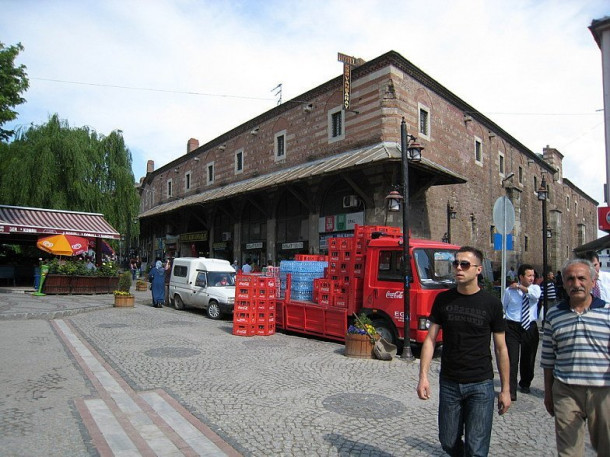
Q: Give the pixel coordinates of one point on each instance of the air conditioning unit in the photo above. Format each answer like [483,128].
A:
[350,201]
[226,236]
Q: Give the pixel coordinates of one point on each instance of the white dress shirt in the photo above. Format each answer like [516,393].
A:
[604,285]
[513,301]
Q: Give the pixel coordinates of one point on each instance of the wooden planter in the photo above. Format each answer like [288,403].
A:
[359,346]
[65,284]
[141,286]
[124,301]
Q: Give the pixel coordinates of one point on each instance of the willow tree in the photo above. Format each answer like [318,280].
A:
[59,167]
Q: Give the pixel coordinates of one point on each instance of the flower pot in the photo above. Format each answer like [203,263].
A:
[141,286]
[124,301]
[358,346]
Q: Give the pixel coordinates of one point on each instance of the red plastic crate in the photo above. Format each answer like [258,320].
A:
[340,300]
[243,306]
[244,317]
[244,329]
[265,329]
[325,298]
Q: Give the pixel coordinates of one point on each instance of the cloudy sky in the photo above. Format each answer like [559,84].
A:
[164,71]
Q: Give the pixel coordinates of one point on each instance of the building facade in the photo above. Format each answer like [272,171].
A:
[312,167]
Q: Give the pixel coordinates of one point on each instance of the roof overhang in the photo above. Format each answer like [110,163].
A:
[17,220]
[595,245]
[345,161]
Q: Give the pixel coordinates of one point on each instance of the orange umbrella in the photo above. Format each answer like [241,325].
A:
[63,244]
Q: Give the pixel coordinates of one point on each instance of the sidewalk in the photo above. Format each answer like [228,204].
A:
[20,303]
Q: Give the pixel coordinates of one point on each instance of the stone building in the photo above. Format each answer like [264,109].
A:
[310,168]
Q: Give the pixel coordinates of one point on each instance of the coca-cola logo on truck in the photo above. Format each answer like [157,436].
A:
[394,294]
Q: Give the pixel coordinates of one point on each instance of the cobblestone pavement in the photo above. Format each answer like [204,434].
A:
[282,394]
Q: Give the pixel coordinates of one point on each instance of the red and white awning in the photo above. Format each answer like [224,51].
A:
[39,221]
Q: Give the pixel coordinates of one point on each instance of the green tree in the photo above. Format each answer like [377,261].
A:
[13,82]
[59,167]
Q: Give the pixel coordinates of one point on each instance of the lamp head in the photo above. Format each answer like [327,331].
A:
[393,201]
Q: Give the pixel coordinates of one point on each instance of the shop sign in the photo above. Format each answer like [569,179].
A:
[220,245]
[603,216]
[295,245]
[194,236]
[340,222]
[258,245]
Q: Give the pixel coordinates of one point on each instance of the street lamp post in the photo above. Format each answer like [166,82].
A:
[451,213]
[409,151]
[543,193]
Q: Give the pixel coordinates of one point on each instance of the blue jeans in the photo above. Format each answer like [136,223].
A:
[465,409]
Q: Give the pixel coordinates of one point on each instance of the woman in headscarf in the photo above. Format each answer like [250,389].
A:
[157,279]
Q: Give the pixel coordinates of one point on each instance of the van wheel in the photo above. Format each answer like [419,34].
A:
[178,304]
[214,310]
[384,330]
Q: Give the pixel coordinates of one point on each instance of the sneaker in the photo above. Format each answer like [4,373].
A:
[525,390]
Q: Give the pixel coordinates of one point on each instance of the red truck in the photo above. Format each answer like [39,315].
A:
[364,275]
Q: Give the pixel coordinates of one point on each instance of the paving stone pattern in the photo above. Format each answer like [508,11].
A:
[283,394]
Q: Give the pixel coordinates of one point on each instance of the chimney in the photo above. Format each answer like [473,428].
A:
[554,158]
[150,166]
[191,145]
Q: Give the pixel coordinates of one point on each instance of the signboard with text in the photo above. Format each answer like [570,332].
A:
[603,217]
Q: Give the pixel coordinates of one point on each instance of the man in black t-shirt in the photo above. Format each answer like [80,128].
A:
[468,317]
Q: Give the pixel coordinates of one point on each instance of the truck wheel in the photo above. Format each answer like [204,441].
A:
[178,304]
[384,330]
[214,310]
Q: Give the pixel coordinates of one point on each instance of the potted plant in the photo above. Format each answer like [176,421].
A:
[123,297]
[360,338]
[141,285]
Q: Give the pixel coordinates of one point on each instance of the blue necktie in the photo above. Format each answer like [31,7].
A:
[525,312]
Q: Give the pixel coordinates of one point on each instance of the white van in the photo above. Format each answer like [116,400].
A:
[203,283]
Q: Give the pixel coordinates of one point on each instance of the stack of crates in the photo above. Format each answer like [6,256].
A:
[346,257]
[255,305]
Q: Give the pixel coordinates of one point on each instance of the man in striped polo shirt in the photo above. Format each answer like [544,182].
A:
[576,363]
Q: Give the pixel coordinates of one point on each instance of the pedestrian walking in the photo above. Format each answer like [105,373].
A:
[548,290]
[522,336]
[468,317]
[601,282]
[157,280]
[576,364]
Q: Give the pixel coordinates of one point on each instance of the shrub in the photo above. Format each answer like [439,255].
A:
[125,282]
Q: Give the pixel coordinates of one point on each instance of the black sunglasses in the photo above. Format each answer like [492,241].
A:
[465,264]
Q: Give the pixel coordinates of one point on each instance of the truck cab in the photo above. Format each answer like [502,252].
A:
[383,289]
[204,283]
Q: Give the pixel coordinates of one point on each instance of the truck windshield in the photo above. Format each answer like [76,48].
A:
[221,278]
[434,267]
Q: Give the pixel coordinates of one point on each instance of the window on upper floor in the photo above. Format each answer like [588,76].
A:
[336,121]
[280,145]
[567,203]
[535,184]
[478,151]
[187,181]
[526,243]
[169,188]
[239,161]
[501,166]
[210,175]
[582,234]
[520,175]
[424,121]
